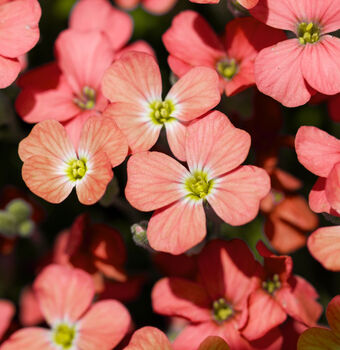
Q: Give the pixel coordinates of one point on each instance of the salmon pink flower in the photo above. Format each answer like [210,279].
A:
[7,311]
[248,4]
[19,33]
[319,152]
[278,294]
[65,296]
[30,314]
[217,303]
[151,338]
[134,86]
[157,7]
[324,245]
[52,166]
[291,70]
[323,338]
[214,151]
[232,58]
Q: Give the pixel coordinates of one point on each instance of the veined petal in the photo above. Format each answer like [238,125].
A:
[178,227]
[135,123]
[215,145]
[102,134]
[64,293]
[176,133]
[236,196]
[333,315]
[103,326]
[134,78]
[317,150]
[183,298]
[278,73]
[149,338]
[32,338]
[154,180]
[333,187]
[195,93]
[324,245]
[318,339]
[93,185]
[9,70]
[47,139]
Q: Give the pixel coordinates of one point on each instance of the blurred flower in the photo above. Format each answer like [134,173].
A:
[65,296]
[52,166]
[323,338]
[156,7]
[30,314]
[134,86]
[233,57]
[334,107]
[7,311]
[19,34]
[286,71]
[245,3]
[214,151]
[291,331]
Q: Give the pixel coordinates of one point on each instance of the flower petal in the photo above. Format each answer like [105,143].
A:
[149,338]
[214,343]
[9,70]
[7,311]
[158,7]
[215,145]
[318,339]
[324,245]
[248,4]
[333,187]
[154,180]
[318,201]
[317,150]
[278,73]
[183,298]
[134,78]
[236,196]
[63,293]
[178,227]
[103,326]
[333,314]
[176,133]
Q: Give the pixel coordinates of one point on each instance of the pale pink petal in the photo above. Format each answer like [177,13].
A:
[317,150]
[324,54]
[47,178]
[134,78]
[324,245]
[248,4]
[215,145]
[214,343]
[333,315]
[135,123]
[9,70]
[158,7]
[7,311]
[63,293]
[99,173]
[333,188]
[195,93]
[154,180]
[19,30]
[149,338]
[236,196]
[176,133]
[318,201]
[278,73]
[183,298]
[116,24]
[177,227]
[83,58]
[178,66]
[199,46]
[49,139]
[102,135]
[30,339]
[103,326]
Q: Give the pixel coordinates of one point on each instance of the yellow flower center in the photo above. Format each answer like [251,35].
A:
[272,285]
[77,169]
[161,111]
[227,68]
[222,311]
[87,98]
[308,33]
[198,185]
[64,335]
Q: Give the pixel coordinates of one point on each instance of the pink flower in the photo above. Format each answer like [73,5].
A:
[52,166]
[279,294]
[7,311]
[248,4]
[324,245]
[323,338]
[214,151]
[157,7]
[134,85]
[319,152]
[291,70]
[19,34]
[233,57]
[65,297]
[217,304]
[150,338]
